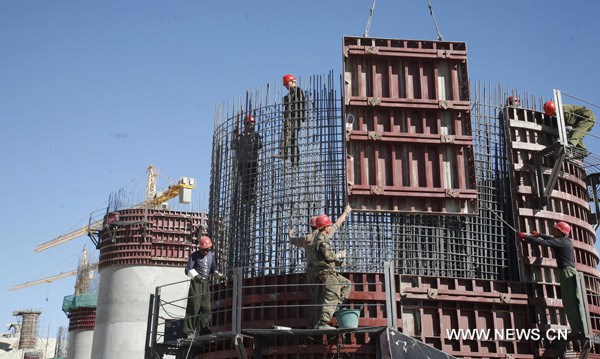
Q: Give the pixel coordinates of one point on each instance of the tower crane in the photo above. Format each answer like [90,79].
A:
[152,199]
[84,272]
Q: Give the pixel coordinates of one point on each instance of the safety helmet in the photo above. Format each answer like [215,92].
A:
[513,101]
[550,108]
[287,78]
[205,242]
[248,119]
[313,221]
[322,221]
[564,227]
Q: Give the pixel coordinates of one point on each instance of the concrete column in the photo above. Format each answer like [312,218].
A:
[122,311]
[80,344]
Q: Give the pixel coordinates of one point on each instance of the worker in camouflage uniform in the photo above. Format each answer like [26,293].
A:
[306,242]
[201,265]
[294,112]
[562,246]
[335,287]
[246,146]
[580,118]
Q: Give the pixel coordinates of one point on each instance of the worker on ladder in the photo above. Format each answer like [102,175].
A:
[562,246]
[580,118]
[307,242]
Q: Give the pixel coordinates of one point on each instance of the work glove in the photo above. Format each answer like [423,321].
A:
[347,208]
[218,275]
[521,235]
[340,255]
[340,263]
[291,233]
[535,233]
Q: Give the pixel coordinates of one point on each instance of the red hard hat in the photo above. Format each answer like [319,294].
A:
[287,78]
[322,221]
[313,221]
[249,119]
[564,227]
[205,242]
[550,108]
[513,100]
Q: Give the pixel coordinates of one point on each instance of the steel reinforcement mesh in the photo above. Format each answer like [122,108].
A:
[261,191]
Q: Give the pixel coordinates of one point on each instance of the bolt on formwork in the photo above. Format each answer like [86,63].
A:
[255,201]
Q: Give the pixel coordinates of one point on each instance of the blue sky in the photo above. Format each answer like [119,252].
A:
[91,92]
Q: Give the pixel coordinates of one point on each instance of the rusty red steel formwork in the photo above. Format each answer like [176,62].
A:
[82,318]
[150,237]
[427,307]
[527,132]
[408,127]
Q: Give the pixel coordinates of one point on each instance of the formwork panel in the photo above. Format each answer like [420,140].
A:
[409,144]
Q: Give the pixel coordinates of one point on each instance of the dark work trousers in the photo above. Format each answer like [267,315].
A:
[198,306]
[248,171]
[570,298]
[291,127]
[315,293]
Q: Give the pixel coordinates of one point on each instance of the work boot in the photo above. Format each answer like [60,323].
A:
[322,325]
[205,331]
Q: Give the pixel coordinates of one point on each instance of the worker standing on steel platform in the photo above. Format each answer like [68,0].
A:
[580,118]
[562,247]
[306,242]
[336,288]
[201,265]
[246,146]
[294,112]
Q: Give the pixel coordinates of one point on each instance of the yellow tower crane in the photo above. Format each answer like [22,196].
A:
[152,200]
[84,273]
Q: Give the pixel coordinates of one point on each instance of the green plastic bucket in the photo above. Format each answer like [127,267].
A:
[347,318]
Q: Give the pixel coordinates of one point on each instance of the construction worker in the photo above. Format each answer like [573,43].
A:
[513,101]
[246,146]
[580,118]
[565,258]
[306,242]
[201,265]
[335,287]
[294,112]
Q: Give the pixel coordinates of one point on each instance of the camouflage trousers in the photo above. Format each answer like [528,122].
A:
[335,289]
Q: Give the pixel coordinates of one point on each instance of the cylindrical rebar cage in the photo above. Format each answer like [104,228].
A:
[273,176]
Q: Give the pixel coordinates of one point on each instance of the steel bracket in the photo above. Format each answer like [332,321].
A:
[432,293]
[447,138]
[452,193]
[542,188]
[505,298]
[445,104]
[371,50]
[593,182]
[376,189]
[374,101]
[375,135]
